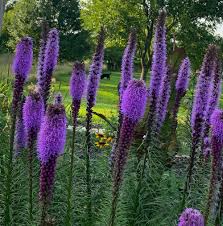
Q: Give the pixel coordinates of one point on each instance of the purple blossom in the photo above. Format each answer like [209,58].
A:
[134,99]
[33,112]
[95,70]
[127,62]
[51,57]
[183,77]
[78,81]
[158,66]
[20,133]
[159,56]
[216,146]
[191,217]
[203,91]
[52,135]
[133,107]
[41,62]
[22,62]
[164,96]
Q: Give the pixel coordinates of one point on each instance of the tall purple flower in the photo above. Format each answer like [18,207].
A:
[127,62]
[20,133]
[200,106]
[217,147]
[21,67]
[33,112]
[164,96]
[133,107]
[50,61]
[191,217]
[214,96]
[92,87]
[77,86]
[158,66]
[181,88]
[51,141]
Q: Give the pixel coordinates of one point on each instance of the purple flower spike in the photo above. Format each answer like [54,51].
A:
[133,107]
[52,135]
[134,99]
[33,112]
[159,56]
[191,217]
[183,77]
[163,101]
[78,81]
[51,57]
[22,62]
[158,67]
[203,91]
[217,146]
[95,70]
[127,62]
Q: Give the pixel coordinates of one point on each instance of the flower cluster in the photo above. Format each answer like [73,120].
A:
[191,217]
[103,140]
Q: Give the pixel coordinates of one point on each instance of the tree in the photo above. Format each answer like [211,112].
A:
[186,19]
[2,10]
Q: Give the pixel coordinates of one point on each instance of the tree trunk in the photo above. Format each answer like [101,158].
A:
[2,10]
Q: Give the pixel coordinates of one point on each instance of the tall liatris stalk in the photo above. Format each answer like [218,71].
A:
[33,112]
[126,76]
[133,107]
[50,61]
[213,100]
[200,106]
[164,97]
[50,145]
[191,217]
[77,86]
[181,87]
[93,83]
[20,133]
[158,68]
[217,148]
[21,67]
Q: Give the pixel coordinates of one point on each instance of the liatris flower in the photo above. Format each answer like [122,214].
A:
[133,107]
[20,133]
[93,82]
[33,112]
[181,84]
[51,141]
[51,57]
[200,106]
[21,67]
[158,65]
[163,101]
[214,97]
[77,86]
[127,62]
[191,217]
[217,147]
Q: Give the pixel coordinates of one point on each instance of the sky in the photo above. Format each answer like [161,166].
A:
[219,30]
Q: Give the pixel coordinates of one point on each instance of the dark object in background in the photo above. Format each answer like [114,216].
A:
[106,75]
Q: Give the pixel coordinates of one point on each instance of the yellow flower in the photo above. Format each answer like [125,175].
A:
[109,139]
[99,135]
[101,144]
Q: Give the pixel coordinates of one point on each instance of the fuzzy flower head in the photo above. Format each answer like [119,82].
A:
[191,217]
[23,58]
[52,135]
[77,81]
[127,62]
[96,69]
[52,51]
[134,100]
[159,55]
[217,125]
[183,76]
[33,111]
